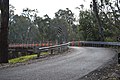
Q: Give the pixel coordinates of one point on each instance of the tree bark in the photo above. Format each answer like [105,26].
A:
[95,10]
[4,31]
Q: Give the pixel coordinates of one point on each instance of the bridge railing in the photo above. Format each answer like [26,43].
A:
[59,48]
[35,48]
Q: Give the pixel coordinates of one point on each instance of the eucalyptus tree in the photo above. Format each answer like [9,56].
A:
[18,29]
[45,30]
[68,17]
[21,27]
[30,15]
[109,13]
[60,29]
[87,26]
[96,13]
[101,22]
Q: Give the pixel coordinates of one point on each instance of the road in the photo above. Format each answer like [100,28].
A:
[75,64]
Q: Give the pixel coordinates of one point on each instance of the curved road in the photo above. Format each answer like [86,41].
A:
[75,64]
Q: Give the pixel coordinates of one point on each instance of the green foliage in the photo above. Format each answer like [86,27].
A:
[45,29]
[44,53]
[109,39]
[21,28]
[29,27]
[88,29]
[66,21]
[22,59]
[109,14]
[26,58]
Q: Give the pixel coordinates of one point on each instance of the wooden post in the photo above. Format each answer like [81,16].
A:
[38,54]
[51,51]
[78,43]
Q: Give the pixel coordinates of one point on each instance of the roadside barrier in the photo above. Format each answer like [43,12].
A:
[38,48]
[94,44]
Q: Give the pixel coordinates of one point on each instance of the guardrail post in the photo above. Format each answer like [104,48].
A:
[59,50]
[38,54]
[37,51]
[78,43]
[62,48]
[51,51]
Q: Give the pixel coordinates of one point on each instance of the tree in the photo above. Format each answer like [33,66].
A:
[68,17]
[88,27]
[22,28]
[96,11]
[18,29]
[60,29]
[110,10]
[109,13]
[32,29]
[45,29]
[4,6]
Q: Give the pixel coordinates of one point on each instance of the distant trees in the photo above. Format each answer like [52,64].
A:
[95,24]
[67,18]
[45,30]
[22,28]
[29,28]
[4,7]
[88,27]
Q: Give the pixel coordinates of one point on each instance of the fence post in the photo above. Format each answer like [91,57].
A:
[51,51]
[78,43]
[38,54]
[72,43]
[37,51]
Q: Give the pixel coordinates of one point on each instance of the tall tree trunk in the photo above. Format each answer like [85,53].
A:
[95,10]
[4,31]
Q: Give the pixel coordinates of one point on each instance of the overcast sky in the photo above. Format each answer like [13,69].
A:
[49,6]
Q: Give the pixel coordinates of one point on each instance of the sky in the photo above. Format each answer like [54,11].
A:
[49,6]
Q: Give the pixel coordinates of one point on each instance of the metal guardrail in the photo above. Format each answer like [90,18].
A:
[38,49]
[61,47]
[95,43]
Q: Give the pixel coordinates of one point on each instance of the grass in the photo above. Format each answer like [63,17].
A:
[26,58]
[44,53]
[22,59]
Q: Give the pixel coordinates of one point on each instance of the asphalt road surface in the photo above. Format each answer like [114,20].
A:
[75,64]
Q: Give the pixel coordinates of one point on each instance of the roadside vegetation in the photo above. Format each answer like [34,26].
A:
[22,59]
[26,58]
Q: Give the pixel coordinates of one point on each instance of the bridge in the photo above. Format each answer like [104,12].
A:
[38,48]
[83,57]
